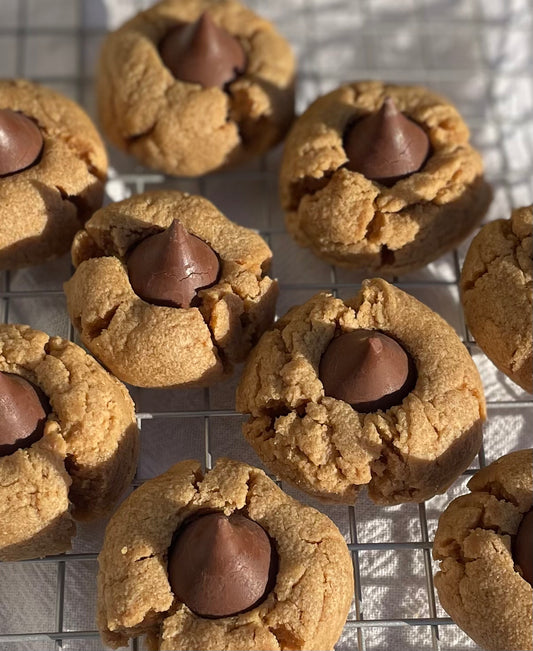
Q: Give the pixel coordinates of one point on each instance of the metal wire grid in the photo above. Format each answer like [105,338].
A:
[516,186]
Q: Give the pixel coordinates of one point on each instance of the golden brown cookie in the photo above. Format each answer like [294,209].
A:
[479,583]
[154,345]
[325,447]
[351,221]
[86,457]
[181,127]
[43,206]
[313,588]
[497,286]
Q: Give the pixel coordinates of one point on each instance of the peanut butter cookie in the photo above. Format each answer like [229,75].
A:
[53,168]
[496,284]
[376,390]
[381,177]
[205,296]
[307,597]
[484,542]
[85,452]
[190,86]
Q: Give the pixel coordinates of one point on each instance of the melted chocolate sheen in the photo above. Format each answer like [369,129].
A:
[220,566]
[22,413]
[367,369]
[21,142]
[386,146]
[202,53]
[523,547]
[170,267]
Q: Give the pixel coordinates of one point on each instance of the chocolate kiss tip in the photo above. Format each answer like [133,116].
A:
[386,146]
[367,369]
[21,142]
[375,344]
[176,230]
[202,52]
[389,107]
[205,23]
[169,268]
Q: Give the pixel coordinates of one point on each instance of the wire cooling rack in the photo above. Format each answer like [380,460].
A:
[480,54]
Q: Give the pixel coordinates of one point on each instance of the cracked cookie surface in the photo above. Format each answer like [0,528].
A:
[86,457]
[322,445]
[479,584]
[306,609]
[348,220]
[157,346]
[43,206]
[497,287]
[182,128]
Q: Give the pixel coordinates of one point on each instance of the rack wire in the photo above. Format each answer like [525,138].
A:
[480,54]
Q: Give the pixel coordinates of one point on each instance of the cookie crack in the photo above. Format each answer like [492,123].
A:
[497,489]
[134,137]
[308,186]
[388,436]
[250,485]
[82,155]
[219,352]
[109,244]
[287,638]
[488,266]
[146,558]
[242,311]
[93,329]
[196,480]
[79,204]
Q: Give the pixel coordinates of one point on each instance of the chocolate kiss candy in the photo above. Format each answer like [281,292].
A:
[366,369]
[169,268]
[202,53]
[220,566]
[21,142]
[22,413]
[386,146]
[523,547]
